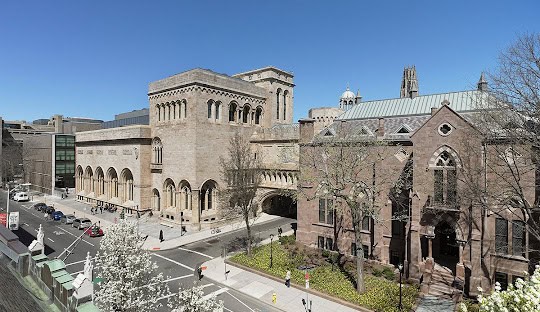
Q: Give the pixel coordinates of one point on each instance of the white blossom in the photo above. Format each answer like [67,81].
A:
[193,300]
[130,282]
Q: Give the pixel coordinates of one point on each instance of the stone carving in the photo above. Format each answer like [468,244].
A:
[112,152]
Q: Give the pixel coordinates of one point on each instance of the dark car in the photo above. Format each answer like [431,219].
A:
[39,206]
[48,210]
[57,215]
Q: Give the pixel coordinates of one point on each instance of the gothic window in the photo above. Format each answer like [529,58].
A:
[245,114]
[158,112]
[285,93]
[445,179]
[518,238]
[326,211]
[232,111]
[218,108]
[278,94]
[183,109]
[210,106]
[445,129]
[157,151]
[501,236]
[365,223]
[207,197]
[258,115]
[502,279]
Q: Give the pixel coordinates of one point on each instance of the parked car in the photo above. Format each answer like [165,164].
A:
[57,215]
[67,219]
[48,210]
[39,206]
[21,196]
[94,231]
[81,223]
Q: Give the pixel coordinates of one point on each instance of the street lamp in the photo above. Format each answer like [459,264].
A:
[271,255]
[400,267]
[307,306]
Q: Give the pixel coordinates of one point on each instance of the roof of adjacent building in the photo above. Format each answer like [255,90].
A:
[461,101]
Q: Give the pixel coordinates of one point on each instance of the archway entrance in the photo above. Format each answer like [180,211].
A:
[280,206]
[445,247]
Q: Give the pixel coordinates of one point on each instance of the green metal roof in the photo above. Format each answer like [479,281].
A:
[87,307]
[55,265]
[59,273]
[68,285]
[421,105]
[64,278]
[39,257]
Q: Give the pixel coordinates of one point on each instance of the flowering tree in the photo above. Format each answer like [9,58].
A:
[129,278]
[193,300]
[524,296]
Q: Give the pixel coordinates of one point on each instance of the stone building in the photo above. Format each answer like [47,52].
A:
[172,166]
[447,239]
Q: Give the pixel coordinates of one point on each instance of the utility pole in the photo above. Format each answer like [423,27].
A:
[7,208]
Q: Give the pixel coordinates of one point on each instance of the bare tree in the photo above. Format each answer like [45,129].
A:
[242,172]
[349,171]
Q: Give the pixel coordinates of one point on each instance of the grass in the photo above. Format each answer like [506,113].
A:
[381,294]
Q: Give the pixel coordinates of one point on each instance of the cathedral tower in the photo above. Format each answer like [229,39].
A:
[409,83]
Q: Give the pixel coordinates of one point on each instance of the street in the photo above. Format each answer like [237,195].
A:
[178,265]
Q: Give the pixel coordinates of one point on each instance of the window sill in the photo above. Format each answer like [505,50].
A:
[331,226]
[511,257]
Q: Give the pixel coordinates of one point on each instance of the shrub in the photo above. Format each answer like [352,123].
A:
[388,274]
[287,240]
[377,272]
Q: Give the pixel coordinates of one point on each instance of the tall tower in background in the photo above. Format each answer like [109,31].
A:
[409,83]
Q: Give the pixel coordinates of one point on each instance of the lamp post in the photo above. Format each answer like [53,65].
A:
[7,207]
[400,267]
[271,255]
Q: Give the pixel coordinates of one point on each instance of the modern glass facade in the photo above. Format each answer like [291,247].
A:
[64,151]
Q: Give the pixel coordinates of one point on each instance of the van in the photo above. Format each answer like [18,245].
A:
[21,196]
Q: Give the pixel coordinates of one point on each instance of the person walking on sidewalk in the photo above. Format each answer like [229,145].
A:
[160,236]
[288,278]
[101,209]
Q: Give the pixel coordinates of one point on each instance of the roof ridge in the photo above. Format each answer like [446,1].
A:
[418,96]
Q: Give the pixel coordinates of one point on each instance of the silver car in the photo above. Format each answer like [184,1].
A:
[67,219]
[81,223]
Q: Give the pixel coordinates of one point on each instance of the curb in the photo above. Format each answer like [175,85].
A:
[311,291]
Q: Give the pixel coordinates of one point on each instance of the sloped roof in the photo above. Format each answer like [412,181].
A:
[461,101]
[55,265]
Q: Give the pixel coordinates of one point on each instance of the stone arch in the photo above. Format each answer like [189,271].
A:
[126,184]
[100,182]
[156,200]
[441,151]
[157,151]
[217,114]
[112,183]
[185,195]
[233,107]
[246,113]
[169,193]
[285,94]
[258,115]
[88,177]
[79,175]
[278,94]
[275,203]
[211,107]
[208,195]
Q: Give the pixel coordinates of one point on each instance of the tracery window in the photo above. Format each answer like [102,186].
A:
[157,151]
[445,179]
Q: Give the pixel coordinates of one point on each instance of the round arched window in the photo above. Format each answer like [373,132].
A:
[445,129]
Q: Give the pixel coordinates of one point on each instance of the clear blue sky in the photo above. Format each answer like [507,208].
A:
[95,58]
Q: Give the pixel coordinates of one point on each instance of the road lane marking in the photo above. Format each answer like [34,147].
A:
[75,236]
[50,239]
[216,293]
[175,262]
[196,252]
[241,302]
[72,263]
[177,278]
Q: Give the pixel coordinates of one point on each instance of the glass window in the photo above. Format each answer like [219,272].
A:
[60,155]
[70,155]
[60,168]
[438,186]
[322,210]
[502,279]
[329,243]
[210,109]
[320,242]
[365,223]
[366,251]
[329,212]
[501,236]
[353,249]
[452,185]
[518,238]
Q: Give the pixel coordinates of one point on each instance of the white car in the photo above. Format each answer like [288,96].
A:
[21,196]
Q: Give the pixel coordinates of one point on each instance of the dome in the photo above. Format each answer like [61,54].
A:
[348,94]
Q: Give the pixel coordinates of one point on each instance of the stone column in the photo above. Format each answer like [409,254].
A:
[196,211]
[206,200]
[460,268]
[188,194]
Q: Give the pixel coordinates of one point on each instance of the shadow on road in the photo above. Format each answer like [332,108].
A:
[26,238]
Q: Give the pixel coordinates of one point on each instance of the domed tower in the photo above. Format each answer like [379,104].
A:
[348,99]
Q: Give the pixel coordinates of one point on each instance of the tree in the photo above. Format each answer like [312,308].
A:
[193,300]
[347,173]
[524,296]
[242,172]
[129,278]
[505,178]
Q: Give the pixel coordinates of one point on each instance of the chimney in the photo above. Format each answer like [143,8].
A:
[380,129]
[307,130]
[433,110]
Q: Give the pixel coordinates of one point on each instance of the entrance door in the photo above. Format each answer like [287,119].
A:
[445,247]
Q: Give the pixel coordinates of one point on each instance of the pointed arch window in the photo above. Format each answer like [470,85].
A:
[278,94]
[285,93]
[157,151]
[445,179]
[258,115]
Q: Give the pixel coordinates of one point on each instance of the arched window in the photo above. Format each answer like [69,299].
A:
[127,185]
[168,111]
[232,111]
[285,104]
[445,179]
[100,189]
[156,200]
[112,181]
[210,108]
[170,196]
[88,176]
[218,108]
[208,195]
[80,179]
[245,114]
[158,112]
[157,151]
[278,94]
[258,115]
[185,195]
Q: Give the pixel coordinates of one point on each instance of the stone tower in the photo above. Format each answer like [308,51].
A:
[482,83]
[409,83]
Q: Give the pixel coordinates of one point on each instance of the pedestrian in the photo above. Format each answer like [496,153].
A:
[160,236]
[46,216]
[288,278]
[101,209]
[67,190]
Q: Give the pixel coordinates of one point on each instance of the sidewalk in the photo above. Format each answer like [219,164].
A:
[262,288]
[150,226]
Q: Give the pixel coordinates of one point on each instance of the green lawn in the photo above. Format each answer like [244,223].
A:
[380,295]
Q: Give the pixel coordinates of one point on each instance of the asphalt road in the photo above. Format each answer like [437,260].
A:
[178,265]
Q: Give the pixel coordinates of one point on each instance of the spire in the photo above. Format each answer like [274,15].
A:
[409,83]
[358,96]
[482,84]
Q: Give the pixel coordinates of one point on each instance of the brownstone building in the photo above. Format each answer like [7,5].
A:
[449,237]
